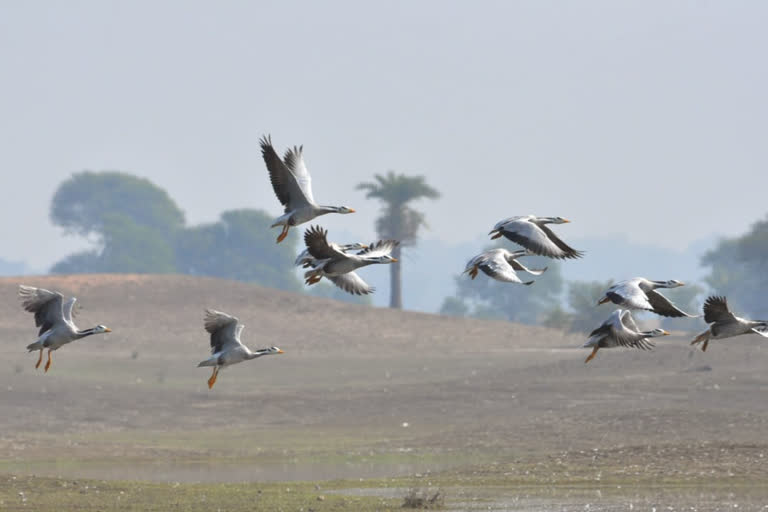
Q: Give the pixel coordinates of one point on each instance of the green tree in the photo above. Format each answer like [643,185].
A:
[239,247]
[138,228]
[82,203]
[739,270]
[484,297]
[398,219]
[127,247]
[584,314]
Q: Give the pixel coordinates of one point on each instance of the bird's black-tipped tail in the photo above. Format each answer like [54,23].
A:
[34,346]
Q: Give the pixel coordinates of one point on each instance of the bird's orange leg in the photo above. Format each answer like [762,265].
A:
[40,359]
[592,355]
[212,380]
[48,364]
[283,234]
[473,273]
[702,337]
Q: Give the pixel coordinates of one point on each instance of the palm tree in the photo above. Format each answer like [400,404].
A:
[398,220]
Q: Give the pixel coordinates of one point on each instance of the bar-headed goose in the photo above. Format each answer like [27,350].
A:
[725,324]
[532,233]
[54,318]
[226,347]
[640,293]
[502,265]
[339,267]
[620,330]
[306,260]
[293,187]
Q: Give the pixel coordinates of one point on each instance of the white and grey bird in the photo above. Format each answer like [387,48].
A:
[293,187]
[532,233]
[640,293]
[502,265]
[226,347]
[725,324]
[339,267]
[54,318]
[620,330]
[306,260]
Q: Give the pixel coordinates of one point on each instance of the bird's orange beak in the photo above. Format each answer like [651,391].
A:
[107,330]
[280,351]
[394,260]
[666,333]
[566,221]
[351,210]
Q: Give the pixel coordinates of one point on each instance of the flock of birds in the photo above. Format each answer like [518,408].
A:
[338,263]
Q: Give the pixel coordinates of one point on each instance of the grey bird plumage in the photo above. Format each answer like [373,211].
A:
[724,324]
[54,318]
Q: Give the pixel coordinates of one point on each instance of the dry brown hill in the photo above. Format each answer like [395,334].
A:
[461,385]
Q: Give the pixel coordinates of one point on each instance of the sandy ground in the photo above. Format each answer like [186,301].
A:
[360,392]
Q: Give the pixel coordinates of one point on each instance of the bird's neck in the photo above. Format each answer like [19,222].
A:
[322,209]
[86,332]
[256,353]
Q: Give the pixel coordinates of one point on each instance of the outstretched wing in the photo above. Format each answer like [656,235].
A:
[716,310]
[519,267]
[567,250]
[294,161]
[224,330]
[497,267]
[625,330]
[45,304]
[316,240]
[68,309]
[380,248]
[284,182]
[352,283]
[538,239]
[663,306]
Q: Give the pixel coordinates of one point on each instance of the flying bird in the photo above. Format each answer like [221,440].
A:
[226,347]
[640,293]
[54,318]
[306,260]
[532,233]
[620,330]
[293,187]
[725,324]
[502,265]
[339,267]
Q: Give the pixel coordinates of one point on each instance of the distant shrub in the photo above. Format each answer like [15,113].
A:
[424,499]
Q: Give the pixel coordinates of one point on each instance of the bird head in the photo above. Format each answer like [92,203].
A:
[101,328]
[344,209]
[658,332]
[385,259]
[674,283]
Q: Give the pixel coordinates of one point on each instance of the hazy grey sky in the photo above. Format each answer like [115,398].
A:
[552,108]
